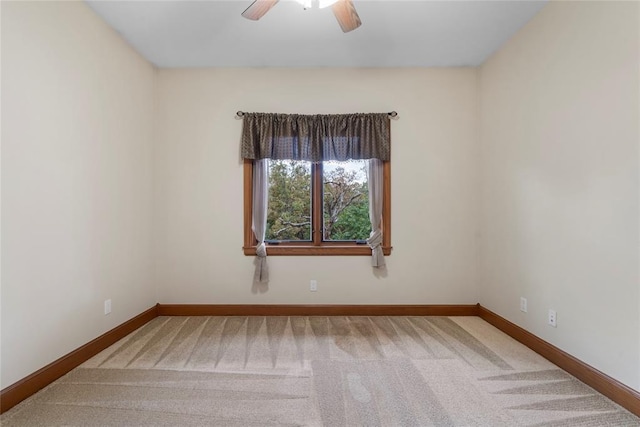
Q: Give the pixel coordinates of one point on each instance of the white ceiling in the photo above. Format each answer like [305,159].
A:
[394,33]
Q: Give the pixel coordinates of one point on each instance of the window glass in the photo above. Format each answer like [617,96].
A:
[345,201]
[289,209]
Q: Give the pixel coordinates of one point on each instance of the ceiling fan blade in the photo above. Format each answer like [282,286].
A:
[258,8]
[346,15]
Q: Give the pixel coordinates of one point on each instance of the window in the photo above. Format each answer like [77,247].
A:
[345,201]
[317,208]
[305,189]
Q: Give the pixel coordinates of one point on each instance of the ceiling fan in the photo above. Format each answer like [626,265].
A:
[344,10]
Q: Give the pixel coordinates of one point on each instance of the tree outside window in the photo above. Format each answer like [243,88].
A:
[345,201]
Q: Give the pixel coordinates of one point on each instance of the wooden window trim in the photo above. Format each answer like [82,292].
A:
[316,246]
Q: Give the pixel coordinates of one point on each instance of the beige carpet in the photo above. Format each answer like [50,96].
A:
[318,371]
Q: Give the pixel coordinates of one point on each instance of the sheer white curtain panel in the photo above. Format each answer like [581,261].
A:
[259,220]
[375,174]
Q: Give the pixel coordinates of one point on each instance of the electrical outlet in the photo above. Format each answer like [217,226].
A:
[553,318]
[313,286]
[523,304]
[107,306]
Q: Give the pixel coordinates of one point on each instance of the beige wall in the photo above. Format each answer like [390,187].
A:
[198,181]
[77,123]
[560,165]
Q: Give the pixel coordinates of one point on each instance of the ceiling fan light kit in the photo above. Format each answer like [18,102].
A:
[326,3]
[321,4]
[306,4]
[344,11]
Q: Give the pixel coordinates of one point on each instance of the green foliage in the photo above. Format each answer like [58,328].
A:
[353,223]
[345,204]
[289,210]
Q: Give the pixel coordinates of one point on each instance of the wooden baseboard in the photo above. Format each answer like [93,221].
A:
[613,389]
[17,392]
[316,310]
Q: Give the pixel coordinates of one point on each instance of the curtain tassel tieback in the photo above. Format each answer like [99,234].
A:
[261,250]
[375,241]
[262,271]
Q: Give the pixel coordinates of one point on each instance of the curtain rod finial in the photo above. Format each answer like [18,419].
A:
[393,114]
[240,113]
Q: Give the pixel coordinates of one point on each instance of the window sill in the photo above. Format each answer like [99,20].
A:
[280,250]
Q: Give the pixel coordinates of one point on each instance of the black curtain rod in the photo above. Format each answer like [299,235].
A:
[391,114]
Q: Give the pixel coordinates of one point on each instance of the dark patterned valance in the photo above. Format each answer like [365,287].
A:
[316,137]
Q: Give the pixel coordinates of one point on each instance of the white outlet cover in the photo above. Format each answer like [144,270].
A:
[313,285]
[523,304]
[553,318]
[107,306]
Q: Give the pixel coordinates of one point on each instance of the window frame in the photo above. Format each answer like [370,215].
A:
[316,246]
